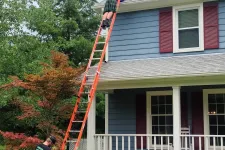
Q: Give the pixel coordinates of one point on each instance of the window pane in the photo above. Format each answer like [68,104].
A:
[169,120]
[161,100]
[212,98]
[221,120]
[221,130]
[162,120]
[220,108]
[213,120]
[219,98]
[189,38]
[154,129]
[162,130]
[212,108]
[155,120]
[169,109]
[169,99]
[154,109]
[154,100]
[188,18]
[169,129]
[213,130]
[162,109]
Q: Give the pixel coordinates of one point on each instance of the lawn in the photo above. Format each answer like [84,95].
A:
[2,147]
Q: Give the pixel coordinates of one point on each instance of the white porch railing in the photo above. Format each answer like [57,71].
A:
[203,142]
[133,142]
[157,142]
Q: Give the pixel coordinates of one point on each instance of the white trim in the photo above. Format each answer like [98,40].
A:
[176,118]
[106,113]
[148,110]
[205,107]
[176,48]
[91,129]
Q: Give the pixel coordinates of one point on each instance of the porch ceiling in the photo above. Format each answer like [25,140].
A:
[164,67]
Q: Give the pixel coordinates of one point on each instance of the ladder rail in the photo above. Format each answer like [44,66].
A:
[81,90]
[93,86]
[96,79]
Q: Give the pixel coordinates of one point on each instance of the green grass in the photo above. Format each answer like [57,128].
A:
[2,147]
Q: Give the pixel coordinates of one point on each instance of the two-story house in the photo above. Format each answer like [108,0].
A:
[165,77]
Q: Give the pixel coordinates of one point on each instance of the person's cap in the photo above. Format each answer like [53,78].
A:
[53,139]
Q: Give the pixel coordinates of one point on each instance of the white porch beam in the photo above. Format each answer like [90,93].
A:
[176,118]
[91,123]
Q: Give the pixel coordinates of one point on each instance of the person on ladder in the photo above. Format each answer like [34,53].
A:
[109,10]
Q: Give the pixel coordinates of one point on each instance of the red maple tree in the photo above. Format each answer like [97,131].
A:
[50,93]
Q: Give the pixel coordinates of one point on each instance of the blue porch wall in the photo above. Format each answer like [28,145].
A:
[122,116]
[136,36]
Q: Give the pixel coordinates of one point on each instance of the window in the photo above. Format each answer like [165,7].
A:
[188,28]
[215,115]
[160,116]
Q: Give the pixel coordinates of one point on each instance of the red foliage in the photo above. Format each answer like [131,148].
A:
[19,141]
[57,82]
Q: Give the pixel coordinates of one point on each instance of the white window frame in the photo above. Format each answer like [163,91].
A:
[176,9]
[148,115]
[206,92]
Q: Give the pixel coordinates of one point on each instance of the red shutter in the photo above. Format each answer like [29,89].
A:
[141,119]
[211,31]
[166,30]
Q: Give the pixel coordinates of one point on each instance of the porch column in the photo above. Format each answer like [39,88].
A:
[176,118]
[91,126]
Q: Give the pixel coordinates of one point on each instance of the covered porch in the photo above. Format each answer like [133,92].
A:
[187,117]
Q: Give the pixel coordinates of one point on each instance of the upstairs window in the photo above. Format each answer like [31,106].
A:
[188,28]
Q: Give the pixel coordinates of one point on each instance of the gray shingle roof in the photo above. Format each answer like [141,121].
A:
[191,65]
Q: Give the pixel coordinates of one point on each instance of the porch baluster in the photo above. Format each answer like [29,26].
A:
[161,139]
[186,144]
[116,142]
[206,142]
[193,143]
[200,143]
[168,143]
[221,139]
[135,142]
[122,142]
[141,142]
[214,143]
[110,143]
[99,138]
[154,142]
[128,142]
[148,142]
[105,143]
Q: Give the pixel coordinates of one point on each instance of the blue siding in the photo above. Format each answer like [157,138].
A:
[122,116]
[136,36]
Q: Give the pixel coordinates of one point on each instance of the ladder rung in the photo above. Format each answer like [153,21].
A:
[85,92]
[75,131]
[101,42]
[90,75]
[71,141]
[81,111]
[78,121]
[96,58]
[98,50]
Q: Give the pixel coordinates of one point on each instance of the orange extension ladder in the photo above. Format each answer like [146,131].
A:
[80,121]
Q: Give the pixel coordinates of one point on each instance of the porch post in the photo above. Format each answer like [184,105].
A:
[176,118]
[91,126]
